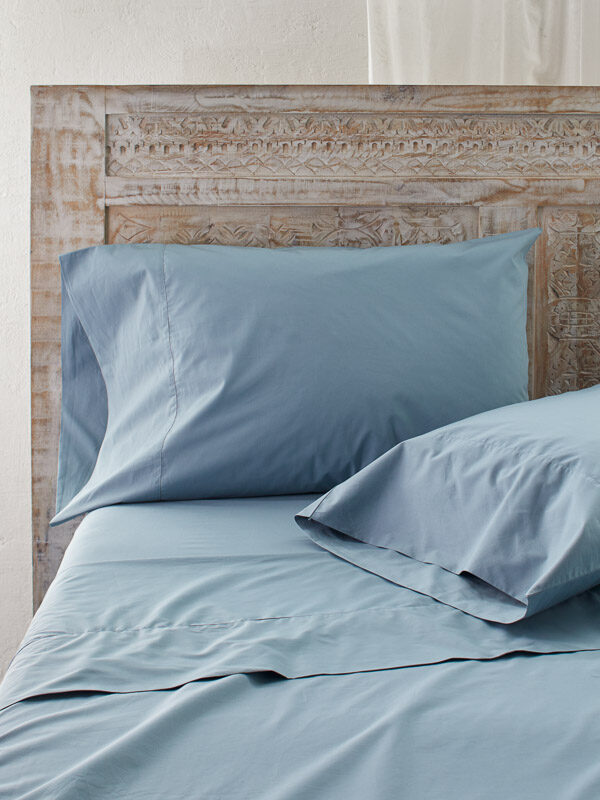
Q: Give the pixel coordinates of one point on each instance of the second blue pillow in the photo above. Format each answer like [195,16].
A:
[497,515]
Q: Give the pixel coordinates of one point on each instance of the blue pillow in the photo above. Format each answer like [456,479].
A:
[248,371]
[497,515]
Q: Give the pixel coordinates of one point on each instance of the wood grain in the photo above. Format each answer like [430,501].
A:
[405,99]
[311,165]
[67,212]
[178,190]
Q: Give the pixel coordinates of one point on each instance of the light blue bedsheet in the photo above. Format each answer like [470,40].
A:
[188,615]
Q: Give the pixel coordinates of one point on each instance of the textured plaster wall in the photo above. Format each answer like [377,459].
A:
[121,41]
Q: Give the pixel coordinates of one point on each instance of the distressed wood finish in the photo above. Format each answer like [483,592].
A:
[353,145]
[343,165]
[67,212]
[285,226]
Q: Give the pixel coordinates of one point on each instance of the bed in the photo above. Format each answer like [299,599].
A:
[209,647]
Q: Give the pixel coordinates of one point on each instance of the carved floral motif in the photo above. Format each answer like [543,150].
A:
[300,145]
[573,252]
[284,227]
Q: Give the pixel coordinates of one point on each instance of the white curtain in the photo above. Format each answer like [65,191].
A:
[484,41]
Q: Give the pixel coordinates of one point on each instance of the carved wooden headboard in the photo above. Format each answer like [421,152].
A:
[280,165]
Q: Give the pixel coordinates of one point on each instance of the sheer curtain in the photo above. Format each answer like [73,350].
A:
[484,41]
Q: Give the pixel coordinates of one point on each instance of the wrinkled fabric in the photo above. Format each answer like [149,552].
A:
[517,727]
[497,515]
[154,668]
[234,372]
[152,596]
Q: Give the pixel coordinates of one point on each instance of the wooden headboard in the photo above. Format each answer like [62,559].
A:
[321,165]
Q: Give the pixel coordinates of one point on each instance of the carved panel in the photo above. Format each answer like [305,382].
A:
[572,294]
[391,145]
[286,226]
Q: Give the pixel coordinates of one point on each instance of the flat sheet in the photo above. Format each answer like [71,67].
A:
[157,667]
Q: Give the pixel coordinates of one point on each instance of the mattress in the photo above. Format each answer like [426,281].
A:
[210,649]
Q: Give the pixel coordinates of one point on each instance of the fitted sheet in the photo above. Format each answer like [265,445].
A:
[211,649]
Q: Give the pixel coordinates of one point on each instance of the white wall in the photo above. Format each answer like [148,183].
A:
[123,41]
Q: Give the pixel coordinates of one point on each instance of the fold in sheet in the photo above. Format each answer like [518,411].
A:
[519,727]
[153,596]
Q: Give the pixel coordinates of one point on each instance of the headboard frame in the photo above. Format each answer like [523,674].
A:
[315,165]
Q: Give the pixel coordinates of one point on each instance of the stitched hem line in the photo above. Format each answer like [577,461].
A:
[195,626]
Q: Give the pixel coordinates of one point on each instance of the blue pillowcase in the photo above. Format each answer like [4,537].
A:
[247,371]
[497,515]
[84,409]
